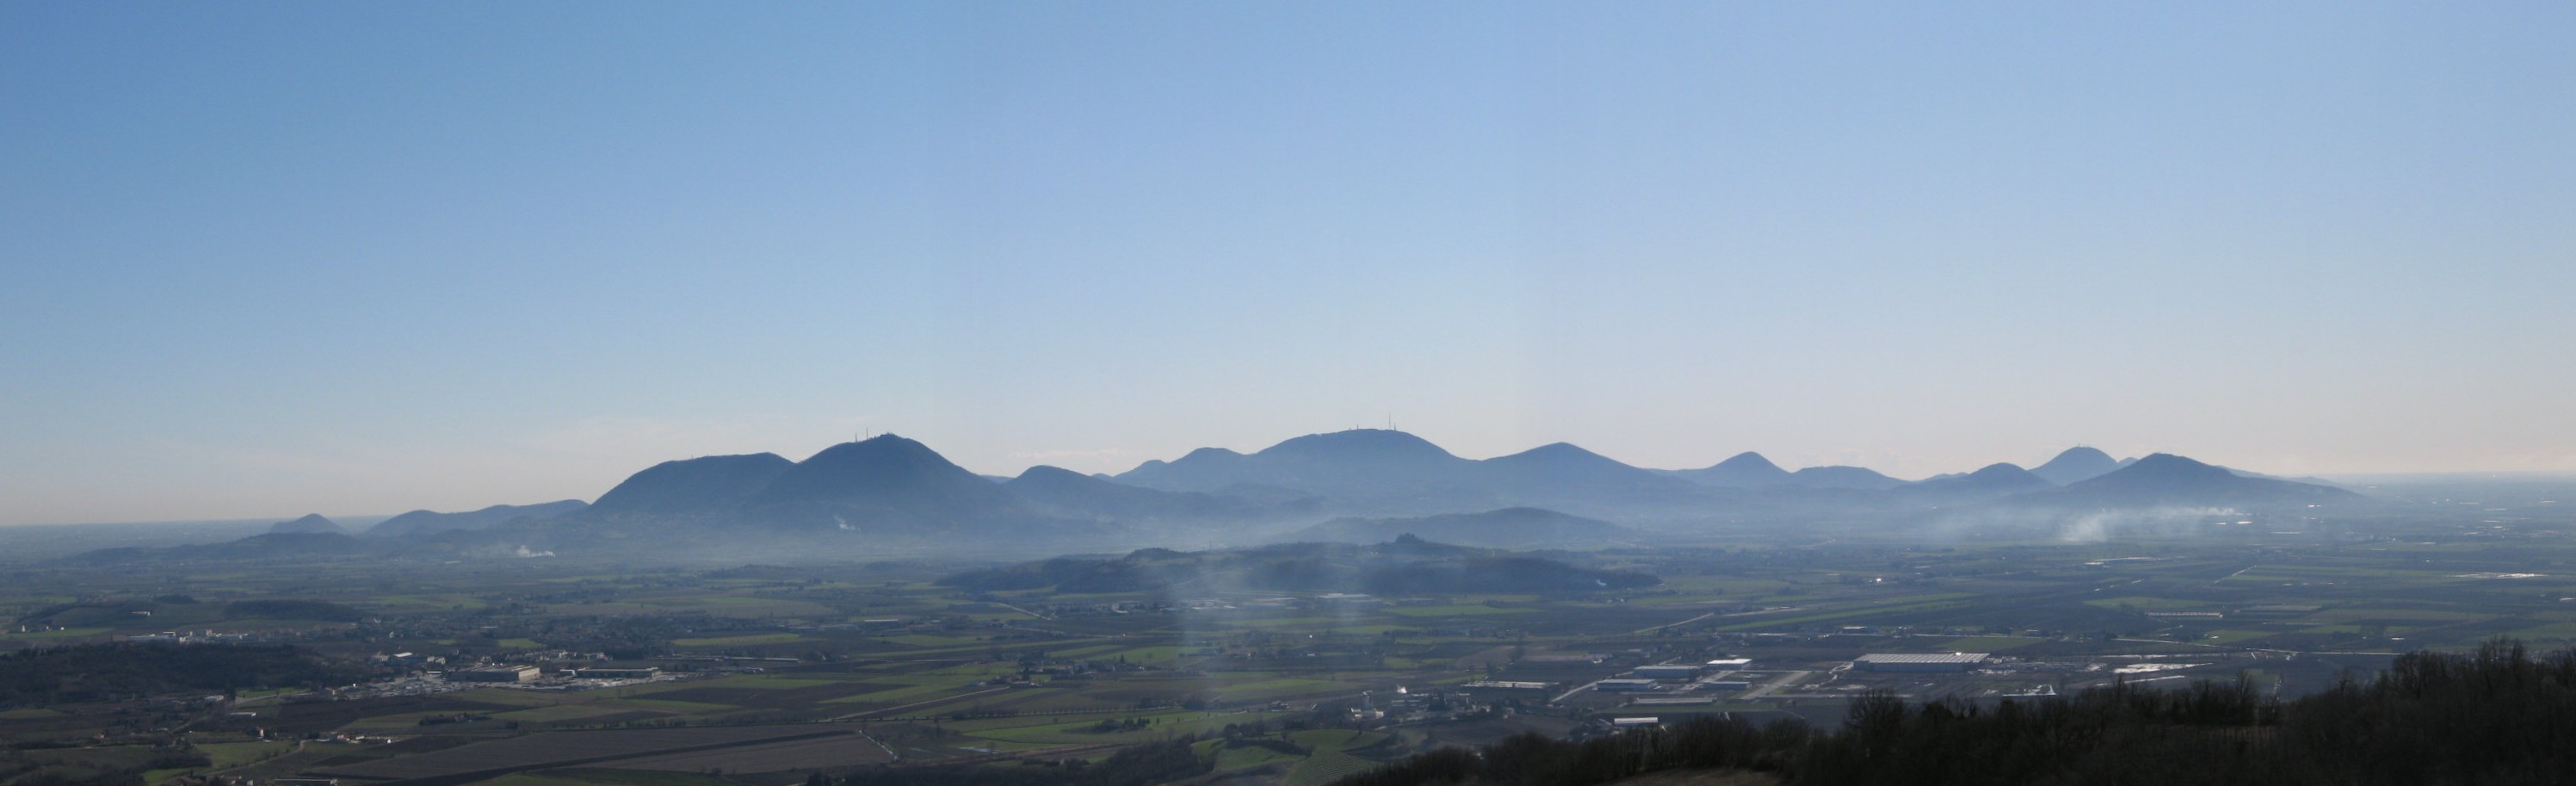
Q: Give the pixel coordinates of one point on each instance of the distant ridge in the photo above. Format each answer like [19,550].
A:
[1561,471]
[1993,481]
[883,482]
[1746,470]
[2307,479]
[1382,472]
[891,495]
[1750,470]
[1203,468]
[263,546]
[2164,479]
[707,484]
[1067,493]
[1358,462]
[310,524]
[1841,477]
[423,522]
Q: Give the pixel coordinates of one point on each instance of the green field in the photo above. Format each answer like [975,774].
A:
[735,641]
[940,673]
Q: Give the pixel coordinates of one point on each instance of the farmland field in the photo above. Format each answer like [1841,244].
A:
[566,748]
[760,672]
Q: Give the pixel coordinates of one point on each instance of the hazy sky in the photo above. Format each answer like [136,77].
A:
[259,259]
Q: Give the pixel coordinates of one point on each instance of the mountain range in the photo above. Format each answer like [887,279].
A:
[889,494]
[2165,480]
[1391,472]
[423,522]
[1749,470]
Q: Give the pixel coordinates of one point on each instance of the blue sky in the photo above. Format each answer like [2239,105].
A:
[262,259]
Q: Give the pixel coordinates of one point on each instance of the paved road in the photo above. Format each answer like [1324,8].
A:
[1018,609]
[1642,631]
[1569,694]
[857,715]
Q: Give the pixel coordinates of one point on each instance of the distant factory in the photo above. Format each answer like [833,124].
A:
[494,674]
[1919,662]
[602,673]
[1666,672]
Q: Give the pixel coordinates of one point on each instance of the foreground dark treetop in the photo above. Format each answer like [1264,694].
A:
[2497,716]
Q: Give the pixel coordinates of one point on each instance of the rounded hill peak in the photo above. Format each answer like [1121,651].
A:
[887,455]
[1050,472]
[887,444]
[1556,452]
[1047,476]
[1749,460]
[2164,478]
[2075,464]
[887,475]
[1357,442]
[700,484]
[310,524]
[1742,470]
[2166,472]
[2167,462]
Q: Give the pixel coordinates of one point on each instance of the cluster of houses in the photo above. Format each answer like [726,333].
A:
[514,673]
[1684,676]
[192,637]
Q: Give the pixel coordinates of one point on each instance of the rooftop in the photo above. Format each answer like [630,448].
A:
[1921,657]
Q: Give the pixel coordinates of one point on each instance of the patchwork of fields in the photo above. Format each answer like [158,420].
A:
[771,674]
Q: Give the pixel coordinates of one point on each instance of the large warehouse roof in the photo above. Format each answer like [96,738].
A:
[1912,657]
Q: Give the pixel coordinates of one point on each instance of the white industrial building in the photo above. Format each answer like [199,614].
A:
[494,674]
[1624,686]
[1908,661]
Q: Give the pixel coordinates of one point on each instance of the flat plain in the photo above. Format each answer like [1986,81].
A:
[767,673]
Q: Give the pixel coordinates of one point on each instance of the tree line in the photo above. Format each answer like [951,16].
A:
[1137,765]
[2495,716]
[126,670]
